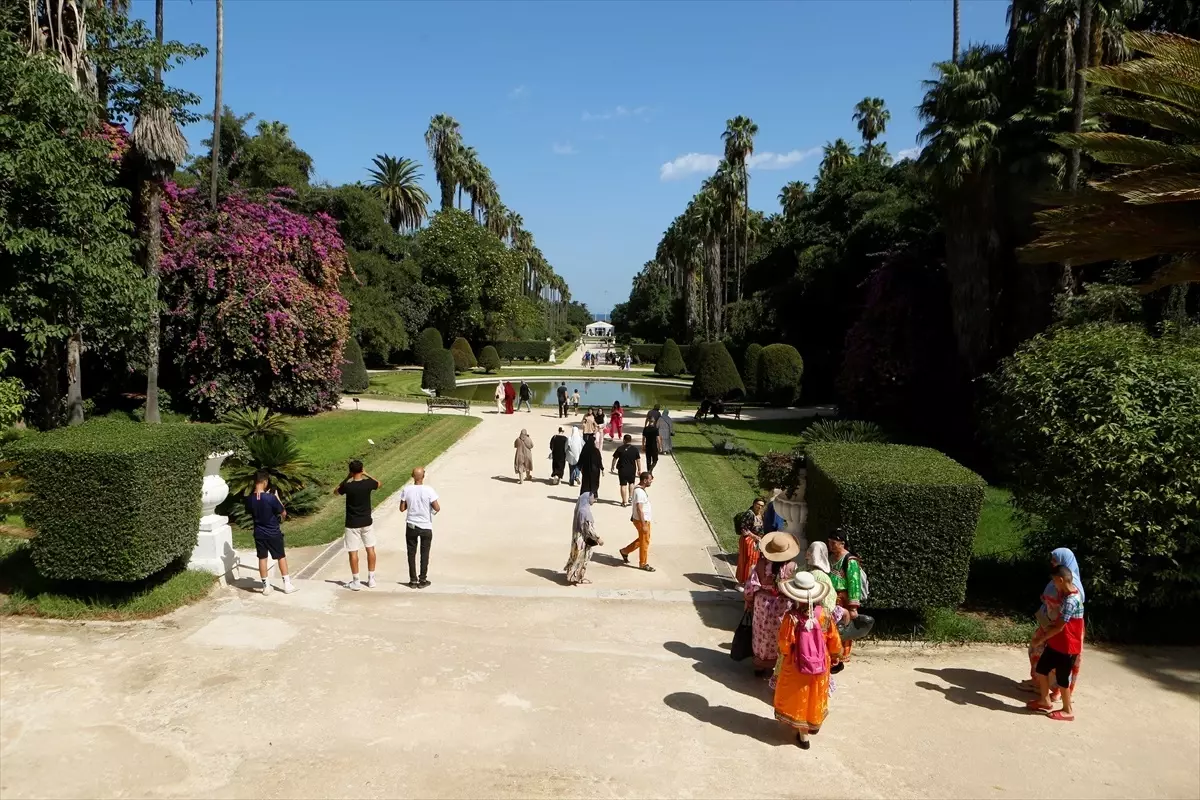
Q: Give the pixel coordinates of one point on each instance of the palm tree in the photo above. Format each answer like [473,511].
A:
[466,164]
[160,147]
[1152,209]
[957,27]
[220,80]
[444,142]
[397,182]
[496,218]
[872,118]
[792,198]
[836,155]
[739,146]
[875,154]
[515,228]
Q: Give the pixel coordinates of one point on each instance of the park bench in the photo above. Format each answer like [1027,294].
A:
[447,402]
[726,410]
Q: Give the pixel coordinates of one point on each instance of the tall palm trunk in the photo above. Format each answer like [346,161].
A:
[1083,44]
[152,199]
[74,384]
[957,28]
[216,138]
[746,237]
[691,300]
[716,287]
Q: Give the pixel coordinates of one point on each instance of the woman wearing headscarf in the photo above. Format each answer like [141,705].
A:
[749,528]
[523,460]
[589,425]
[591,465]
[666,427]
[1048,613]
[574,448]
[817,559]
[808,645]
[510,394]
[499,397]
[558,455]
[762,594]
[583,539]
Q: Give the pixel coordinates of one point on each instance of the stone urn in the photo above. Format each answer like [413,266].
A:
[214,541]
[214,490]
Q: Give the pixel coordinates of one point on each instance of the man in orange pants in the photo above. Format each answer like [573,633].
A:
[641,521]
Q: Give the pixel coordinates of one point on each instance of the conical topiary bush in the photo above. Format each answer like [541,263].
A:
[354,372]
[489,359]
[780,369]
[750,368]
[670,360]
[429,341]
[438,372]
[717,376]
[464,356]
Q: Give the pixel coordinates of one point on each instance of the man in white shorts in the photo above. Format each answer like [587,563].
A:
[420,502]
[357,489]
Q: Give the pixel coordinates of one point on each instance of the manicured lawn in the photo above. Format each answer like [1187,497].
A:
[25,592]
[402,443]
[999,532]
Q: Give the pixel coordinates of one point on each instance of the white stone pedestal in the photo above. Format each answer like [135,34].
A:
[214,543]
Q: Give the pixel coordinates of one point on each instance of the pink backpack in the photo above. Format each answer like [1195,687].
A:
[809,652]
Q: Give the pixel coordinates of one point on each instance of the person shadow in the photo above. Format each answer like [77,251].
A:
[554,576]
[740,723]
[716,665]
[973,687]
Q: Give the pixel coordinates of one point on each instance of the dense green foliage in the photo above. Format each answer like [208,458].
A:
[428,343]
[276,453]
[114,501]
[1099,426]
[12,394]
[670,361]
[489,359]
[523,351]
[438,372]
[780,370]
[842,430]
[248,422]
[910,514]
[750,367]
[717,376]
[693,356]
[354,372]
[464,356]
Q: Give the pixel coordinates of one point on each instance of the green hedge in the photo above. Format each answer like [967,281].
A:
[438,372]
[717,376]
[750,368]
[489,359]
[910,514]
[115,501]
[523,351]
[779,371]
[670,360]
[693,355]
[464,356]
[354,372]
[429,341]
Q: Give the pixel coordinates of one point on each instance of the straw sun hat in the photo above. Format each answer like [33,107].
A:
[803,588]
[779,546]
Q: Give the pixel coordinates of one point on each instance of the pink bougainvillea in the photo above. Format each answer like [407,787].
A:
[254,316]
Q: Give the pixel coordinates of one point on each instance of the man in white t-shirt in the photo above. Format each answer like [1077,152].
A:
[421,503]
[641,521]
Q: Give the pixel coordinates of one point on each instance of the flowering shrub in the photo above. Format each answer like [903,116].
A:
[254,316]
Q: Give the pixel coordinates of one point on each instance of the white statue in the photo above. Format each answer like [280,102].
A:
[214,543]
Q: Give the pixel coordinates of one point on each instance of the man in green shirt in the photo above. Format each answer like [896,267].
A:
[847,577]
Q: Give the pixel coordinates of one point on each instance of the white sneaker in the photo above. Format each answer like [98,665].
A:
[288,587]
[353,586]
[267,588]
[371,582]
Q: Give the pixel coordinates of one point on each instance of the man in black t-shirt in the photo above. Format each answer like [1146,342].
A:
[627,463]
[357,489]
[562,400]
[651,444]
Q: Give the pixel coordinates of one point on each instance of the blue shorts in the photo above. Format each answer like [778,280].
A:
[269,544]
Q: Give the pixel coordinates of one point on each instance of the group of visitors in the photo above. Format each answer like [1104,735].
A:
[610,357]
[1057,646]
[506,394]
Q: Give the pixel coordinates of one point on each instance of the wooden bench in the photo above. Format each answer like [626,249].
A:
[447,402]
[727,410]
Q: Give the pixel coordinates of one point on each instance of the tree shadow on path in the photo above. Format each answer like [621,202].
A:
[763,728]
[973,687]
[716,665]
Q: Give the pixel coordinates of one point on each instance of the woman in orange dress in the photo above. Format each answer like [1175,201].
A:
[808,645]
[749,528]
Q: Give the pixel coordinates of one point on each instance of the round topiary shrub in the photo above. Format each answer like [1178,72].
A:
[717,376]
[695,356]
[670,360]
[464,356]
[489,359]
[750,367]
[780,369]
[429,341]
[438,372]
[354,372]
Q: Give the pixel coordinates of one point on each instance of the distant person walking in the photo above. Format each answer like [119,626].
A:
[265,508]
[558,456]
[589,426]
[499,397]
[562,400]
[583,539]
[526,395]
[651,444]
[523,459]
[591,464]
[357,488]
[666,428]
[510,396]
[627,463]
[574,449]
[420,503]
[654,415]
[575,402]
[616,417]
[641,521]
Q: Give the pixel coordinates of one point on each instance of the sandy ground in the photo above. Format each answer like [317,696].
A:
[498,681]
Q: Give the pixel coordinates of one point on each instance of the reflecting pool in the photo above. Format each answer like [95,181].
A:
[591,393]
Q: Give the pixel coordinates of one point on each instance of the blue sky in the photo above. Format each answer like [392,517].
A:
[598,120]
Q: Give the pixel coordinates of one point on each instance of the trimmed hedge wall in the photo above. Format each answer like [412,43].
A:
[489,359]
[523,351]
[652,353]
[354,373]
[438,372]
[717,376]
[779,372]
[909,512]
[750,368]
[115,501]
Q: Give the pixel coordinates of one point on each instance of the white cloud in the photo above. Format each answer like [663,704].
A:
[910,152]
[688,165]
[566,149]
[707,162]
[519,92]
[619,111]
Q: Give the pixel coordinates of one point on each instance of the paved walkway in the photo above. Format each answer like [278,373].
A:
[499,682]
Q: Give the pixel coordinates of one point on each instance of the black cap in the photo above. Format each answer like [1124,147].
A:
[838,535]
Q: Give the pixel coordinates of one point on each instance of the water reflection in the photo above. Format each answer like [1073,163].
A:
[591,393]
